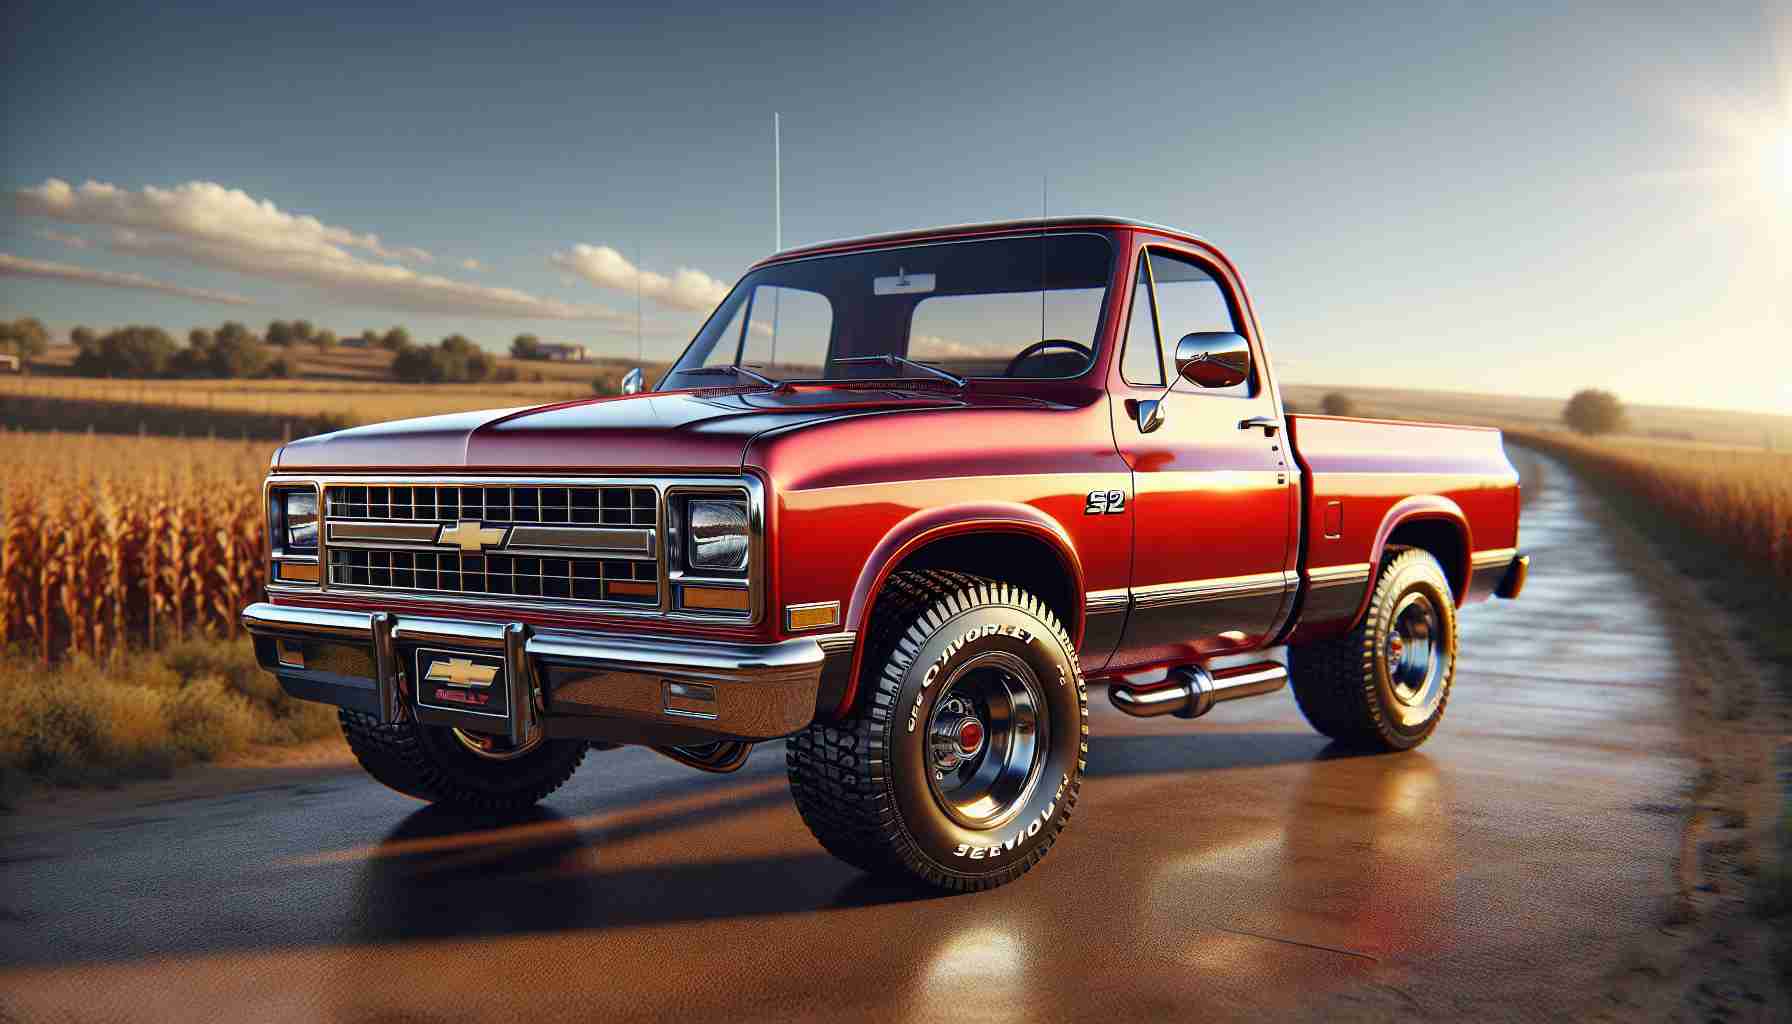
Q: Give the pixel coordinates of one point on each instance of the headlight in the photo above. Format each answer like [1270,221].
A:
[718,534]
[299,520]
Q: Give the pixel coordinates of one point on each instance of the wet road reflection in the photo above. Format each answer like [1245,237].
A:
[1231,866]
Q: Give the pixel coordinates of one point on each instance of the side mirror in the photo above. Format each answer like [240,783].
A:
[634,382]
[1213,359]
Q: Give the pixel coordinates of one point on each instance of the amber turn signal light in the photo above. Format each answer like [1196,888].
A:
[716,599]
[811,616]
[296,572]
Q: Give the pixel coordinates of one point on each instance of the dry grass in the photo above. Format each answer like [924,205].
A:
[1741,500]
[108,542]
[143,714]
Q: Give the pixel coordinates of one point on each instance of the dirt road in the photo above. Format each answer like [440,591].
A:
[1227,866]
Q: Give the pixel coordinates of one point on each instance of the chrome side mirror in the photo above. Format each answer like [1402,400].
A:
[634,382]
[1214,359]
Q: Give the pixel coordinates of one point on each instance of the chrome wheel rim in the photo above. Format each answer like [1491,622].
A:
[1414,656]
[497,748]
[986,740]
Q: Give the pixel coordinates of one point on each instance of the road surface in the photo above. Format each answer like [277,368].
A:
[1232,865]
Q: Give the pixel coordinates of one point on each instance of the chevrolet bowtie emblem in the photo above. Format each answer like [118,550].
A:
[461,672]
[470,536]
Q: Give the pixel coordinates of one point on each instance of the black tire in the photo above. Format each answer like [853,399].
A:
[1357,688]
[866,786]
[430,763]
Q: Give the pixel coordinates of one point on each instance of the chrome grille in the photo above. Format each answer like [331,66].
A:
[380,537]
[495,503]
[497,575]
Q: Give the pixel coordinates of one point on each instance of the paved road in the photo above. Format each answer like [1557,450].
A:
[1231,865]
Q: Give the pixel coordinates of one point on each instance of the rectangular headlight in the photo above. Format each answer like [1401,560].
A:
[718,534]
[298,518]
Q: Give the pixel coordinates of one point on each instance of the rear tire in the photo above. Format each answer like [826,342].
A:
[964,758]
[431,763]
[1385,684]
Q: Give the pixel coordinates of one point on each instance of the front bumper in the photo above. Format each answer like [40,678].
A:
[624,687]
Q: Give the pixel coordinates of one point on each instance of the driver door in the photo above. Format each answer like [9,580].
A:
[1213,505]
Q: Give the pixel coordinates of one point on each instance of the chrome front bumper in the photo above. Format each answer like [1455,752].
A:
[661,686]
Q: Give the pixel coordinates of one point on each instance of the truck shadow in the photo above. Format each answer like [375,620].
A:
[446,874]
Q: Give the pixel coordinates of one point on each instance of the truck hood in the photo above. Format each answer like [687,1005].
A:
[676,431]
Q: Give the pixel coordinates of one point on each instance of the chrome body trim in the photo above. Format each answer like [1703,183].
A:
[1338,575]
[763,690]
[1221,588]
[1106,602]
[668,565]
[1492,558]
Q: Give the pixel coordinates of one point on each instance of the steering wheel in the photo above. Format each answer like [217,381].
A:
[1040,346]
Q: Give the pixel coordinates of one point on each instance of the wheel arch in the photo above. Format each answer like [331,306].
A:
[1433,524]
[1010,542]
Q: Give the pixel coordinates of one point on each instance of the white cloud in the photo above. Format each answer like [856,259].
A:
[209,225]
[14,266]
[603,266]
[471,264]
[72,241]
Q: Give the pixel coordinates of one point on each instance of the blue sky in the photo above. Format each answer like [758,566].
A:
[1524,200]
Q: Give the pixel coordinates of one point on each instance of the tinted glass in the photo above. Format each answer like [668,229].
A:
[1189,299]
[1139,362]
[1019,307]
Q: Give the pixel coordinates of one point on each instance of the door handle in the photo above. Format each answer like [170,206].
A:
[1269,424]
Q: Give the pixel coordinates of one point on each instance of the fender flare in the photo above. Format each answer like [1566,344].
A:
[933,524]
[1415,509]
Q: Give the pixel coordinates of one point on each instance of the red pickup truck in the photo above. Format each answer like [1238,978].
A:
[901,499]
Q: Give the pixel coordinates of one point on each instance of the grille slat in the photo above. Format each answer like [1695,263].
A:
[443,571]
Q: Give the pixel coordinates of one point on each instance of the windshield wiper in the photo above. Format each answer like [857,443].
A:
[891,360]
[736,369]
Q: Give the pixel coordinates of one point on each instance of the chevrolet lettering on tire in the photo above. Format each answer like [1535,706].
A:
[898,504]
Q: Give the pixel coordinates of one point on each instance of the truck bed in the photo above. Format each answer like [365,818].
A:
[1365,481]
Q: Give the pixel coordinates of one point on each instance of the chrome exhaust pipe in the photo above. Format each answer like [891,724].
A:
[1191,690]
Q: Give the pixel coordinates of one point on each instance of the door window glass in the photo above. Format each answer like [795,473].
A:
[1139,360]
[1189,299]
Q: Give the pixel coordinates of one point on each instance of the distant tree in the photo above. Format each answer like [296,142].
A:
[128,352]
[454,358]
[526,346]
[324,340]
[233,331]
[280,333]
[418,365]
[302,331]
[1336,403]
[397,339]
[279,367]
[236,354]
[199,338]
[25,337]
[83,337]
[1594,412]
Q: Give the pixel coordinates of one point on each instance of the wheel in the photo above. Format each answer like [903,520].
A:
[460,769]
[1385,684]
[963,760]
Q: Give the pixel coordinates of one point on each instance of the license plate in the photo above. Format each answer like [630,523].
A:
[460,681]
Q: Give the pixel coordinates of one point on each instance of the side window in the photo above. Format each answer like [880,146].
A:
[788,331]
[1139,360]
[1189,299]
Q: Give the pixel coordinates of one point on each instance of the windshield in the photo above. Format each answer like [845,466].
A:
[1022,307]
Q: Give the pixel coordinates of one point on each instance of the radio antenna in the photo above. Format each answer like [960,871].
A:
[640,349]
[1044,209]
[777,183]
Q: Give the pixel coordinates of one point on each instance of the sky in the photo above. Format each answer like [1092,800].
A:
[1495,198]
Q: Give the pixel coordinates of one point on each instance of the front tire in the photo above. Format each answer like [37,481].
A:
[461,770]
[962,763]
[1385,684]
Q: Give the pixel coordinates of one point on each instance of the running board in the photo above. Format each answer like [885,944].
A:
[1191,691]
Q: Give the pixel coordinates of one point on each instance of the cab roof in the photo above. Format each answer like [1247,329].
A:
[1000,227]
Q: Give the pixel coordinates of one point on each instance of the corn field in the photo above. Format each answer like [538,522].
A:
[108,542]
